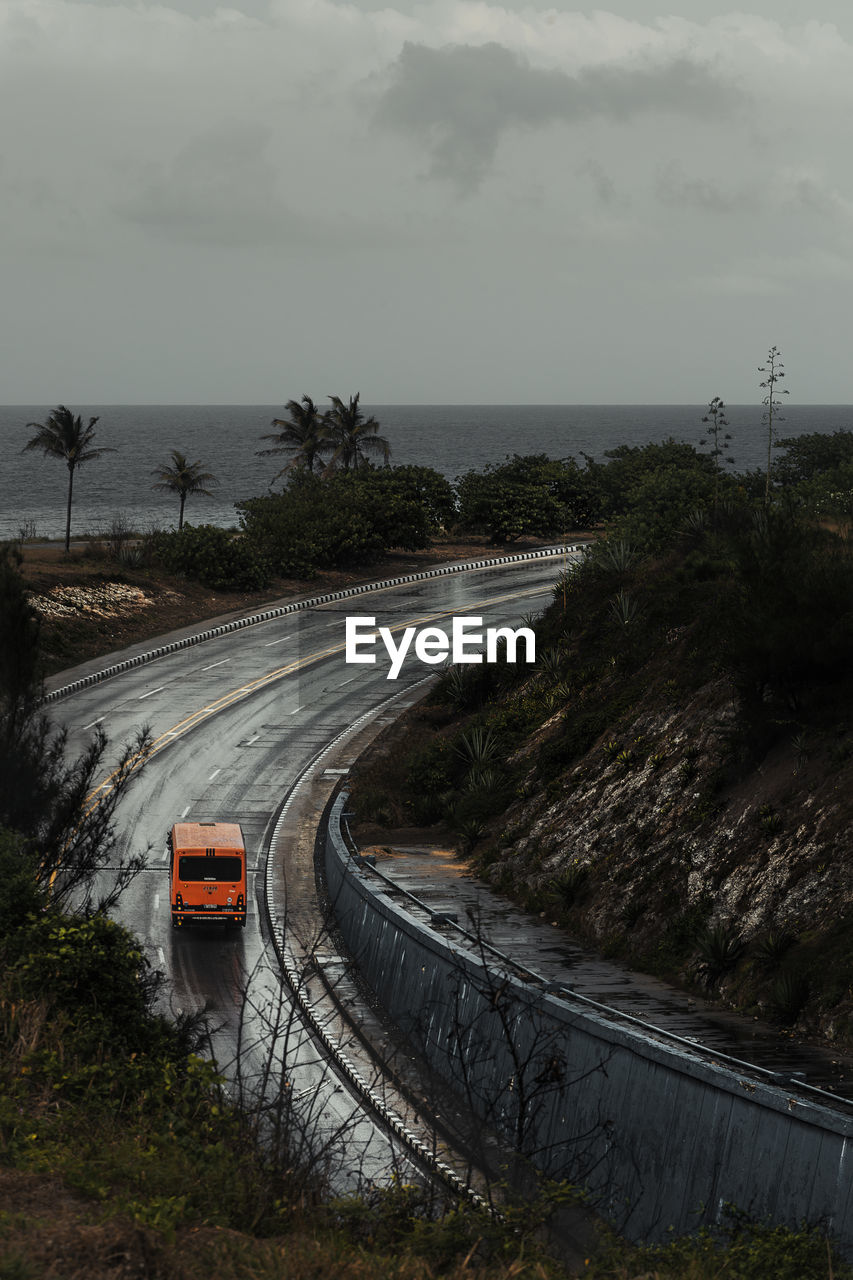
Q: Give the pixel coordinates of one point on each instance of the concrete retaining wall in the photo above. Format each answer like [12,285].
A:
[662,1138]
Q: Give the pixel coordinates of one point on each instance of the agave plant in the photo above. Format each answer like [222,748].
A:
[470,831]
[720,948]
[549,663]
[624,609]
[696,521]
[484,780]
[788,994]
[774,946]
[572,882]
[479,747]
[456,686]
[620,554]
[558,695]
[563,585]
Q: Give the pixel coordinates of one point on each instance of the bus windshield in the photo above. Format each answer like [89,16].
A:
[228,867]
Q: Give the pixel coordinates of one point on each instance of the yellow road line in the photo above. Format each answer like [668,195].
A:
[236,695]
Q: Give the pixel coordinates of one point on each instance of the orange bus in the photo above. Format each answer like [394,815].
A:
[207,873]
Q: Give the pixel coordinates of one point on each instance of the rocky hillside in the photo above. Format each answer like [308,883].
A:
[679,766]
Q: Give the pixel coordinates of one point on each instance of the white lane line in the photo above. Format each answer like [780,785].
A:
[270,643]
[343,682]
[216,664]
[249,741]
[162,956]
[164,855]
[186,811]
[294,711]
[92,725]
[156,902]
[151,692]
[213,775]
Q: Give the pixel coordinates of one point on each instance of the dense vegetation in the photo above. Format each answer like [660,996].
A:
[671,780]
[643,494]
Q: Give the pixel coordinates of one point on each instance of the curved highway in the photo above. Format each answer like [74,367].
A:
[234,721]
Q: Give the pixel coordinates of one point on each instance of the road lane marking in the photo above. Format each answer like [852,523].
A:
[92,725]
[343,682]
[151,692]
[203,713]
[186,811]
[156,902]
[270,643]
[213,775]
[164,855]
[249,741]
[216,664]
[162,956]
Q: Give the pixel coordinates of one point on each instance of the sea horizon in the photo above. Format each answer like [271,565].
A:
[226,438]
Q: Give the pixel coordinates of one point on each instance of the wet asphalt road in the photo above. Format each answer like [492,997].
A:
[234,721]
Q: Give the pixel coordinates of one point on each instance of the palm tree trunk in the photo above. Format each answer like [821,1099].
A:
[68,509]
[181,516]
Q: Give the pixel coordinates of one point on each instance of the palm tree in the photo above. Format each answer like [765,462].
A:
[183,478]
[64,436]
[353,435]
[304,437]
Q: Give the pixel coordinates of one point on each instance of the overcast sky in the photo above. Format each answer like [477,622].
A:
[426,201]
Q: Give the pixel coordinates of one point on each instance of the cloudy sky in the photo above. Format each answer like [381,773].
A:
[429,201]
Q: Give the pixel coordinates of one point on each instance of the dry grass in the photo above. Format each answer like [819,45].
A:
[46,1231]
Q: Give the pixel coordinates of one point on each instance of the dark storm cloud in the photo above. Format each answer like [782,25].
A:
[458,100]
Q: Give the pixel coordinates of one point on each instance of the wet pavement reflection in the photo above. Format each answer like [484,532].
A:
[445,886]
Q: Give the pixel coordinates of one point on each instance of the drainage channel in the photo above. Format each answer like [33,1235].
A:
[435,888]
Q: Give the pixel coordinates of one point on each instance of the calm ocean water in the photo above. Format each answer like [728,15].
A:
[225,438]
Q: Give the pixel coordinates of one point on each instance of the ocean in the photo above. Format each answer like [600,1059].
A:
[225,439]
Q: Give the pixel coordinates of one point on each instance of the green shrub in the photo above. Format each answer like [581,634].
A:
[347,519]
[742,1250]
[431,769]
[527,495]
[96,973]
[212,556]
